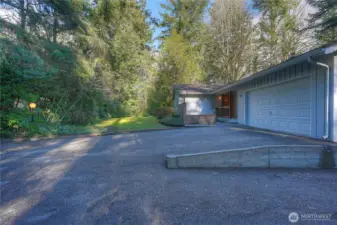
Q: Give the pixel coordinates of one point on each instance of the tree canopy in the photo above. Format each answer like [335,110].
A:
[86,60]
[324,20]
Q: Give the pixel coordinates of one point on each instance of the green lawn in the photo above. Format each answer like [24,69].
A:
[131,123]
[124,124]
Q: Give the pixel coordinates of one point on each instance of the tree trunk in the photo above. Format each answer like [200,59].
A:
[55,26]
[23,14]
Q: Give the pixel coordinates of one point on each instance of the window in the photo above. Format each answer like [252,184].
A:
[198,106]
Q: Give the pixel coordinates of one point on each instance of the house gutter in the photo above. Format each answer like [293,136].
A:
[327,102]
[289,62]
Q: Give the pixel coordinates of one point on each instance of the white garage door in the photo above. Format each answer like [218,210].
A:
[285,107]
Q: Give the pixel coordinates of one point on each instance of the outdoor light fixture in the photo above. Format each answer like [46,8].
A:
[32,105]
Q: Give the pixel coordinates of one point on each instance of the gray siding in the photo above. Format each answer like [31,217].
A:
[177,101]
[316,91]
[241,106]
[333,107]
[332,62]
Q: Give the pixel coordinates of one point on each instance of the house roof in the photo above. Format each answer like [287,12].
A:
[323,50]
[197,88]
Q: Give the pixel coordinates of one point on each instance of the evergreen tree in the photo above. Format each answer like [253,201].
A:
[185,17]
[46,18]
[279,30]
[78,60]
[324,21]
[183,23]
[180,58]
[123,26]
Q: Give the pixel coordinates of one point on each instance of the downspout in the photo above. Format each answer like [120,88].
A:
[327,95]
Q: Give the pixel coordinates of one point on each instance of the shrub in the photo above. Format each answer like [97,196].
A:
[162,112]
[6,134]
[175,115]
[172,121]
[14,122]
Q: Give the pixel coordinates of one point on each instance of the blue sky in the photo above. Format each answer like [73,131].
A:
[154,7]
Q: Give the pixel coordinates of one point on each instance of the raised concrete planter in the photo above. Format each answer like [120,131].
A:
[278,156]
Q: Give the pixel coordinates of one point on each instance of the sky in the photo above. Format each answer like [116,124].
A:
[154,7]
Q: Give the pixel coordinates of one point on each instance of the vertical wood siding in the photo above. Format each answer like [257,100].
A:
[333,106]
[287,75]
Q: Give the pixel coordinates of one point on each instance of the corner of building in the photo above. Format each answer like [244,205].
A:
[333,128]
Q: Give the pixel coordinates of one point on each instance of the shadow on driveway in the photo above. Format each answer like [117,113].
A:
[121,179]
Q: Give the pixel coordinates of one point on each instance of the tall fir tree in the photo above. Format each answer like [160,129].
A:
[278,30]
[324,21]
[185,17]
[78,60]
[180,58]
[183,23]
[123,26]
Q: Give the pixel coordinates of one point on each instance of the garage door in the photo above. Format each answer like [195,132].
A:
[285,107]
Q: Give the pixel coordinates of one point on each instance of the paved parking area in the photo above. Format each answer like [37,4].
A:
[121,179]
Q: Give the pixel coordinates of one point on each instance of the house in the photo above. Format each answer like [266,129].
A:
[297,96]
[195,103]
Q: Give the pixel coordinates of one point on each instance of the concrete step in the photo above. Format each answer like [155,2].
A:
[273,156]
[226,120]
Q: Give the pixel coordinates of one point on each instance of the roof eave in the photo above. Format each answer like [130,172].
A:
[186,92]
[281,66]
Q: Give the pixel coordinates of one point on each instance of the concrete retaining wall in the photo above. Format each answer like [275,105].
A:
[280,156]
[199,119]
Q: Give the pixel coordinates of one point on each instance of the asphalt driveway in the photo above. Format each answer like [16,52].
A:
[121,179]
